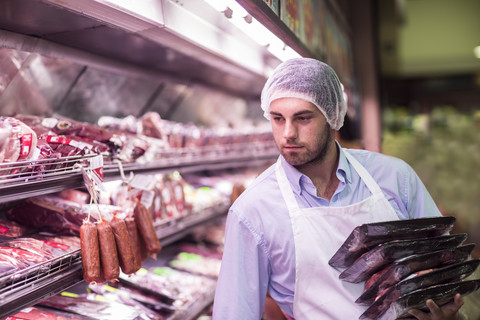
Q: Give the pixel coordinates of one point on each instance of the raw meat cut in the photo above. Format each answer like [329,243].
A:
[50,214]
[384,253]
[368,235]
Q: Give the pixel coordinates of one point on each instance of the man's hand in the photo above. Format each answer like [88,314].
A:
[446,312]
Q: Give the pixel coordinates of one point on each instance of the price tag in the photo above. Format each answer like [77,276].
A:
[93,174]
[147,198]
[143,182]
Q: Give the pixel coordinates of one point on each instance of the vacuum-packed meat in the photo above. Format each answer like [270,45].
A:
[12,229]
[50,214]
[363,237]
[452,273]
[146,229]
[404,267]
[136,245]
[126,257]
[108,251]
[384,253]
[440,294]
[89,248]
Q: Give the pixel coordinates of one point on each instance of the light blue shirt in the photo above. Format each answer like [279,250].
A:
[259,252]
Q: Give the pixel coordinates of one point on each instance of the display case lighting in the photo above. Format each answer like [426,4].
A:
[238,16]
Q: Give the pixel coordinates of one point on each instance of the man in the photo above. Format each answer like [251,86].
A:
[284,228]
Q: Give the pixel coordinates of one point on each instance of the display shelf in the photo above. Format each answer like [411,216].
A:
[66,172]
[29,286]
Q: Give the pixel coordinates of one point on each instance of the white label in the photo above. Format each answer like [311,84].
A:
[143,182]
[49,122]
[147,198]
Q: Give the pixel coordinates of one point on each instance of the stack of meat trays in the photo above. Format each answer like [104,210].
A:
[404,263]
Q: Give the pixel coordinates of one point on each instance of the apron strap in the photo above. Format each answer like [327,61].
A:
[364,175]
[286,189]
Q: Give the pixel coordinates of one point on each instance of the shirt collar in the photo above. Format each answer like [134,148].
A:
[294,176]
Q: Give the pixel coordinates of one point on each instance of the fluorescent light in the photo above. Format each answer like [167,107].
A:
[476,52]
[255,30]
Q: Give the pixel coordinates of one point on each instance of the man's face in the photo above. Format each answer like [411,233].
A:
[300,130]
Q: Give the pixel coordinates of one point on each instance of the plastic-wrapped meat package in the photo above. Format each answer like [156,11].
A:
[70,128]
[68,243]
[147,305]
[76,196]
[440,294]
[8,264]
[427,278]
[17,142]
[39,313]
[12,229]
[50,214]
[401,269]
[197,264]
[384,253]
[26,257]
[47,249]
[363,237]
[152,126]
[99,310]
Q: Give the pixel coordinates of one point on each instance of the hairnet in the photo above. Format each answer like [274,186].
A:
[310,80]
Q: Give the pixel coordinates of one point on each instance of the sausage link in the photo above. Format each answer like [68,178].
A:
[90,252]
[108,251]
[126,258]
[146,229]
[136,245]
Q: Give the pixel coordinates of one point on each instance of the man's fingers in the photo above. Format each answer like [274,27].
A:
[434,309]
[420,315]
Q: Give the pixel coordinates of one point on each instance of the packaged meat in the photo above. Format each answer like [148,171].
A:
[108,252]
[23,256]
[452,273]
[363,237]
[11,229]
[384,253]
[440,294]
[147,306]
[38,247]
[90,252]
[17,141]
[98,310]
[71,129]
[399,270]
[136,245]
[126,257]
[67,243]
[9,264]
[40,313]
[50,214]
[146,229]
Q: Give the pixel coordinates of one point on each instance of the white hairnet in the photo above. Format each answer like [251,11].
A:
[310,80]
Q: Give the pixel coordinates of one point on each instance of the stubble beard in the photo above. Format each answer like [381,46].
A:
[310,156]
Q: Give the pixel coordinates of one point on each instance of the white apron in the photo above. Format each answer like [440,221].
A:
[318,233]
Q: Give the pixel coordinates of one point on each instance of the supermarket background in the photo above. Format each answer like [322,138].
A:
[411,71]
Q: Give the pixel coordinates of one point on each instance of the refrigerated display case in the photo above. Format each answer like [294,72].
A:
[88,59]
